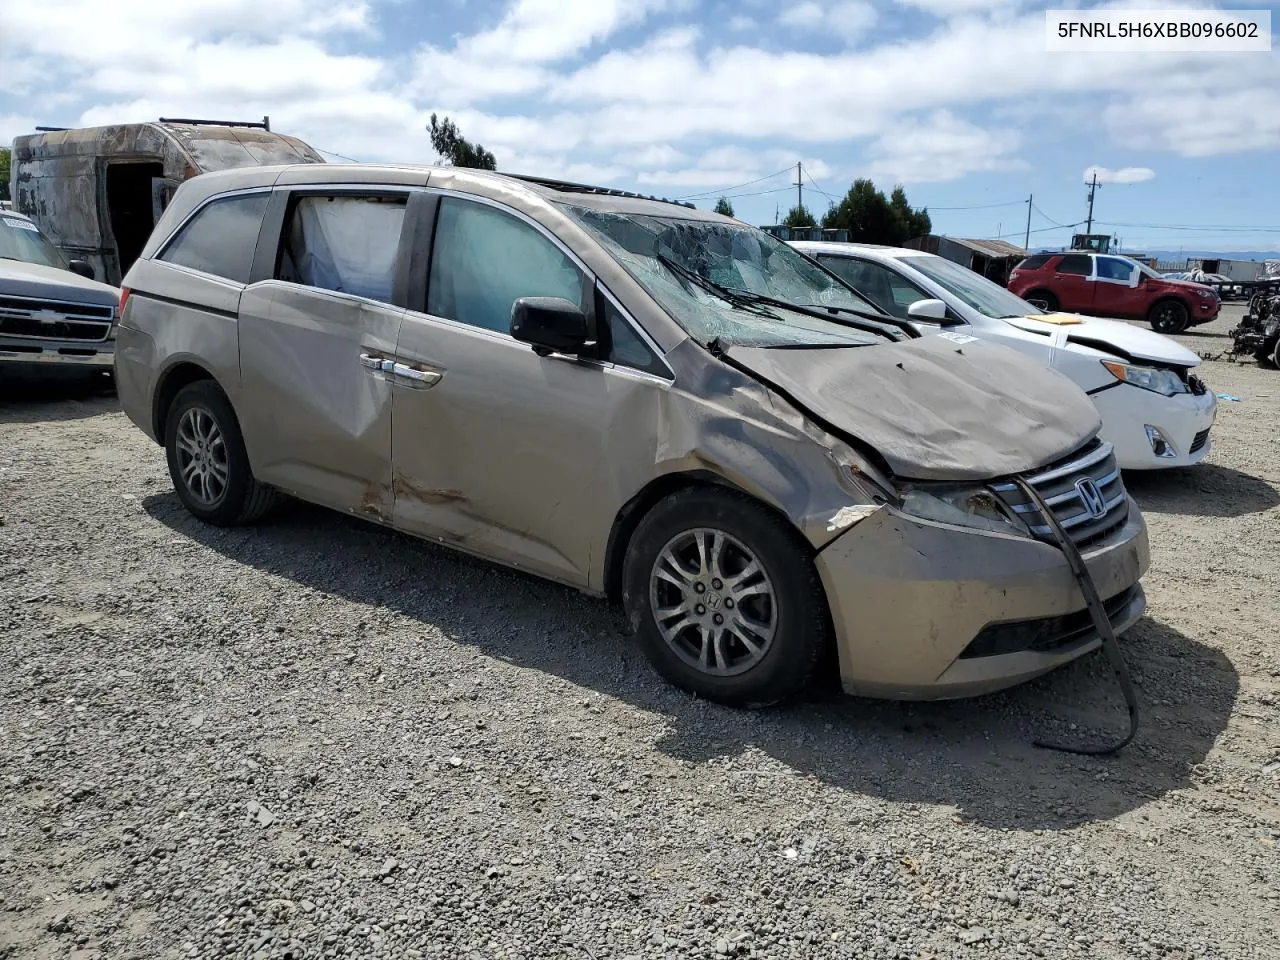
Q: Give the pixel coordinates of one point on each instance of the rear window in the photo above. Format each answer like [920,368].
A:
[221,237]
[1077,264]
[1034,263]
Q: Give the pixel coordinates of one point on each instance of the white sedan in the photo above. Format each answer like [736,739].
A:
[1155,411]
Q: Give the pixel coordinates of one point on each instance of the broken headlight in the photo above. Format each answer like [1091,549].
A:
[962,505]
[1156,379]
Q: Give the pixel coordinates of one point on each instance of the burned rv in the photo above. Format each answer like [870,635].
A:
[97,191]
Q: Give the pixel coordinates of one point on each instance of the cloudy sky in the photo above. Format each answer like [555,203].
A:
[956,99]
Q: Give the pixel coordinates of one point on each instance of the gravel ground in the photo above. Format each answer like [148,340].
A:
[317,738]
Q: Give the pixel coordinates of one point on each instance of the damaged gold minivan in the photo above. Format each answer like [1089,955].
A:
[638,399]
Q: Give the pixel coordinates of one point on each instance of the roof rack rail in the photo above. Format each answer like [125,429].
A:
[51,129]
[569,187]
[263,124]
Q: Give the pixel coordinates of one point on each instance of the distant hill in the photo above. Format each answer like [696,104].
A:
[1258,255]
[1213,254]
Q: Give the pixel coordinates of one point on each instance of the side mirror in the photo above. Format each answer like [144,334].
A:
[932,310]
[550,324]
[83,267]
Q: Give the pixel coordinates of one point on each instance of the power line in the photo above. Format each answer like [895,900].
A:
[983,206]
[758,193]
[1206,228]
[736,186]
[334,153]
[1050,219]
[818,188]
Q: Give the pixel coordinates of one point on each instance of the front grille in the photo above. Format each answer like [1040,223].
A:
[1059,485]
[54,319]
[1200,440]
[1046,634]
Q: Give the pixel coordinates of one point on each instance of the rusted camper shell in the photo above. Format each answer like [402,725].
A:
[97,191]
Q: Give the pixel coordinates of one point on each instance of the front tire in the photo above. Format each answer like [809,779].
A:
[207,460]
[1043,299]
[1169,317]
[725,598]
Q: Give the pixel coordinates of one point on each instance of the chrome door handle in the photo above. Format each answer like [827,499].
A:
[426,378]
[372,362]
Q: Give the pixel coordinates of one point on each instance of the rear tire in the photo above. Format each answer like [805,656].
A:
[207,460]
[725,598]
[1169,317]
[1043,299]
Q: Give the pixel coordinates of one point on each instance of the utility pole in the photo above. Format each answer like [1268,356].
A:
[1026,243]
[1093,186]
[799,186]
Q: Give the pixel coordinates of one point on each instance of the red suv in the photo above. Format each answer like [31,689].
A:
[1107,286]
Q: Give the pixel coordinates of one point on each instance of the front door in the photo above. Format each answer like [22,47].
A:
[1115,289]
[316,343]
[517,457]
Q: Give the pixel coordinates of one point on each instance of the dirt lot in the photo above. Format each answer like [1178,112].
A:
[320,739]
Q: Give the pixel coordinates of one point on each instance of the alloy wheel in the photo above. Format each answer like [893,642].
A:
[713,602]
[202,456]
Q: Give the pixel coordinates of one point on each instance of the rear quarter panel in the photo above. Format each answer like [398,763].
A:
[175,316]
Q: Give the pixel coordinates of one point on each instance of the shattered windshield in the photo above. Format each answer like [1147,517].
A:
[21,240]
[708,276]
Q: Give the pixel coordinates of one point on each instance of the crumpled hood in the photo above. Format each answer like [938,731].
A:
[21,279]
[946,407]
[1129,340]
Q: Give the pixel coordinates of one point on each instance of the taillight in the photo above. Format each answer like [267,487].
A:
[124,298]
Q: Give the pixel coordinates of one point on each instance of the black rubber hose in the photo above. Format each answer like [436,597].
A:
[1101,623]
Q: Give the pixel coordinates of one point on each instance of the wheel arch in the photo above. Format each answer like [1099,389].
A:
[181,374]
[650,495]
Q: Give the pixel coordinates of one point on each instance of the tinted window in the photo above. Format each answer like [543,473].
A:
[628,348]
[484,260]
[345,243]
[1111,268]
[221,237]
[1033,263]
[1076,264]
[886,288]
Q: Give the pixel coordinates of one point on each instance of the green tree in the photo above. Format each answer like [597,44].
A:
[799,216]
[448,141]
[724,207]
[871,217]
[914,223]
[6,158]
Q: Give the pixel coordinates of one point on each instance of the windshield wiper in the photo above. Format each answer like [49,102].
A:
[885,325]
[727,294]
[747,300]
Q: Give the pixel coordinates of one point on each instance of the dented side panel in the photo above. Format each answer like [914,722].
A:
[316,419]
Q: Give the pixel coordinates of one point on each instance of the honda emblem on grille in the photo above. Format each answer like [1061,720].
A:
[1094,502]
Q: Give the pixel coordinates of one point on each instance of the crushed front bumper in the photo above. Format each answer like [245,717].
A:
[914,604]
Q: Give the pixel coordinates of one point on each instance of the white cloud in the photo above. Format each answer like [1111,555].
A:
[547,84]
[1123,175]
[957,8]
[518,55]
[942,147]
[848,19]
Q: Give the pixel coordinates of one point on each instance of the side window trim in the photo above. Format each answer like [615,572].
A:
[178,231]
[590,279]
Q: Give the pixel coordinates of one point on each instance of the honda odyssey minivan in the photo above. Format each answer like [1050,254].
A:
[638,399]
